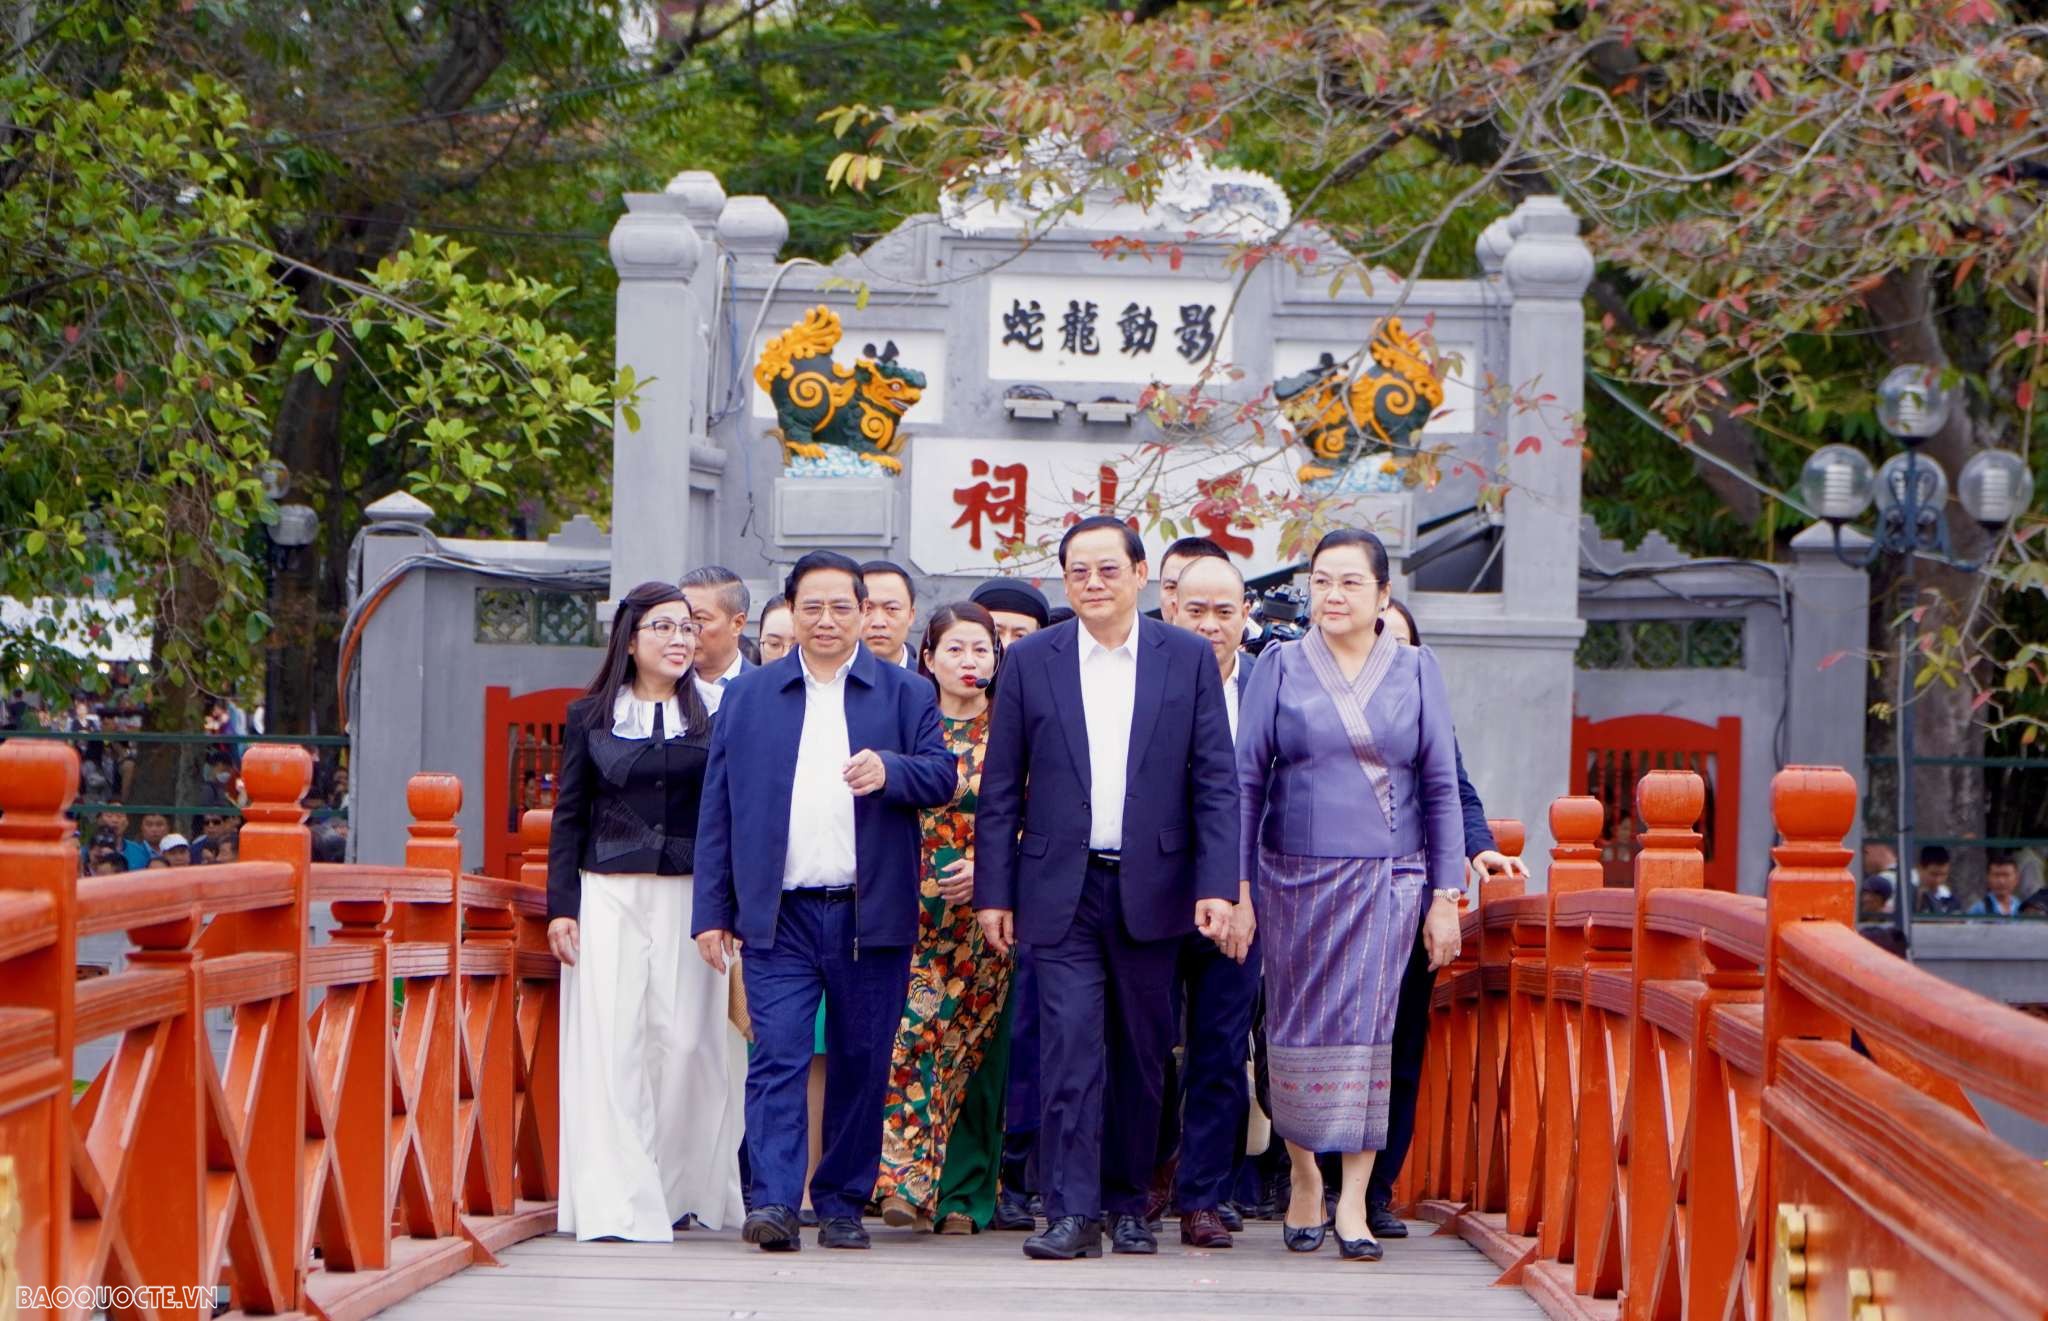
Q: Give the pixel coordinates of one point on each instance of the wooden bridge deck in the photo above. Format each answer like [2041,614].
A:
[907,1274]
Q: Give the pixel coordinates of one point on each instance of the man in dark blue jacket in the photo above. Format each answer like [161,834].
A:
[807,855]
[1105,834]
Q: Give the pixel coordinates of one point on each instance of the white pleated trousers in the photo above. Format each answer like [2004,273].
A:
[653,1083]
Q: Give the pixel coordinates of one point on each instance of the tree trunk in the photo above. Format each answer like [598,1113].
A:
[171,773]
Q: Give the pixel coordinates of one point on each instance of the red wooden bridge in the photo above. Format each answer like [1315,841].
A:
[1660,1100]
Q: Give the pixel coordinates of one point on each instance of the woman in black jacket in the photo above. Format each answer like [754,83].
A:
[652,1074]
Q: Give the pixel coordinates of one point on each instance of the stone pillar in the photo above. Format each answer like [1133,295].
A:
[666,305]
[1547,271]
[1829,677]
[388,701]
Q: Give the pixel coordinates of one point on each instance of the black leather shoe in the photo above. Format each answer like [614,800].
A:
[1065,1239]
[1232,1219]
[1299,1239]
[1130,1234]
[807,1218]
[1013,1212]
[1381,1219]
[842,1232]
[1360,1249]
[772,1229]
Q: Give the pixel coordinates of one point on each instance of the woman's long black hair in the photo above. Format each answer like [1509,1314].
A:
[942,621]
[618,669]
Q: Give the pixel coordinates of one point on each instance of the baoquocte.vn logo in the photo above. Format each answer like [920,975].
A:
[34,1298]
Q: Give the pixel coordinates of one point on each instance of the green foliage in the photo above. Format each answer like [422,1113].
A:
[149,327]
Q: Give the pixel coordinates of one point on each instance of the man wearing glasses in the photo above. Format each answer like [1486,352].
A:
[807,855]
[1108,830]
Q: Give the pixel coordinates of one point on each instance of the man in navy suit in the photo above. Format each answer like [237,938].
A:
[1106,830]
[807,855]
[1215,986]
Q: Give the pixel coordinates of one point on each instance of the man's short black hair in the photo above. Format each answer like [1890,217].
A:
[818,561]
[1134,545]
[1933,853]
[890,566]
[1194,548]
[732,592]
[2001,858]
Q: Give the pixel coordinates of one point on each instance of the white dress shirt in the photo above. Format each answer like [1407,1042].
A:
[820,851]
[712,690]
[1230,696]
[634,718]
[1109,690]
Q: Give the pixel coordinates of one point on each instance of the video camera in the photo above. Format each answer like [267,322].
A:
[1282,614]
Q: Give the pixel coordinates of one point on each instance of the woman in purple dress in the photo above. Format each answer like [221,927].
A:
[1347,766]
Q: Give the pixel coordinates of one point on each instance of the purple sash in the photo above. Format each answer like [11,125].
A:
[1350,700]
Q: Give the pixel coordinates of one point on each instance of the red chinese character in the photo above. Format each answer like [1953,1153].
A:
[1000,502]
[1213,512]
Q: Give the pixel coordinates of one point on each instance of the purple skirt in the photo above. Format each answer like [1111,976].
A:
[1336,934]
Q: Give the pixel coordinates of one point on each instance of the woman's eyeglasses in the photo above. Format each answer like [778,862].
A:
[665,629]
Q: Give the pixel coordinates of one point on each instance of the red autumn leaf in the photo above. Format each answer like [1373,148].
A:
[71,334]
[1529,445]
[1828,661]
[1978,702]
[1762,83]
[1031,22]
[1173,257]
[2023,394]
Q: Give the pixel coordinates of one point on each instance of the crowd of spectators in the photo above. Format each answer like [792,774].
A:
[112,838]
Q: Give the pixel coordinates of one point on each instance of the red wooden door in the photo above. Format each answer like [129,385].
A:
[1610,756]
[522,763]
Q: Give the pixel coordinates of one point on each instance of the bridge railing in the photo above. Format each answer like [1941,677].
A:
[384,1112]
[1667,1101]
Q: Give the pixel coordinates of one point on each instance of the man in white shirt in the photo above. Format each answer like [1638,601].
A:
[890,611]
[807,852]
[1216,985]
[718,602]
[1108,808]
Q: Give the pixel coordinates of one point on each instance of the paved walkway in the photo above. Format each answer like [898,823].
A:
[939,1279]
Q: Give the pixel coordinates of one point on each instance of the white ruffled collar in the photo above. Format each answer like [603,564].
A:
[633,718]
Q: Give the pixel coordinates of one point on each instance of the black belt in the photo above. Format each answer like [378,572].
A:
[1105,858]
[831,894]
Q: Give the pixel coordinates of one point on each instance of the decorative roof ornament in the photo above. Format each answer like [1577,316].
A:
[1345,421]
[1213,202]
[856,411]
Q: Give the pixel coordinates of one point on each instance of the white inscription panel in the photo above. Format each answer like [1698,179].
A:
[1137,329]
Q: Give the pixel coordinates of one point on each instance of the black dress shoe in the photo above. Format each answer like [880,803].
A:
[807,1218]
[1381,1219]
[1130,1234]
[1299,1239]
[1360,1249]
[1232,1218]
[1013,1212]
[772,1229]
[1065,1239]
[842,1232]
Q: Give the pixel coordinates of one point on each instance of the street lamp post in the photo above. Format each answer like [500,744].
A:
[1913,404]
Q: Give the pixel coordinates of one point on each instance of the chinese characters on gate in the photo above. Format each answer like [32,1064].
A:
[1137,330]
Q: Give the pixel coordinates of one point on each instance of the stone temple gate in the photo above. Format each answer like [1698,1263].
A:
[1035,358]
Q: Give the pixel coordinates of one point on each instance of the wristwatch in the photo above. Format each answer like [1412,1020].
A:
[1442,892]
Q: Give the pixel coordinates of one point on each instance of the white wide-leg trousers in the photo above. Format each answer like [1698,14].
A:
[654,1077]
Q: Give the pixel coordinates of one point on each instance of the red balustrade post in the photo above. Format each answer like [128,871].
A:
[1496,944]
[270,1040]
[488,1008]
[1525,1061]
[539,1136]
[1814,808]
[1660,1080]
[1575,825]
[1461,1038]
[352,1048]
[429,1021]
[39,857]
